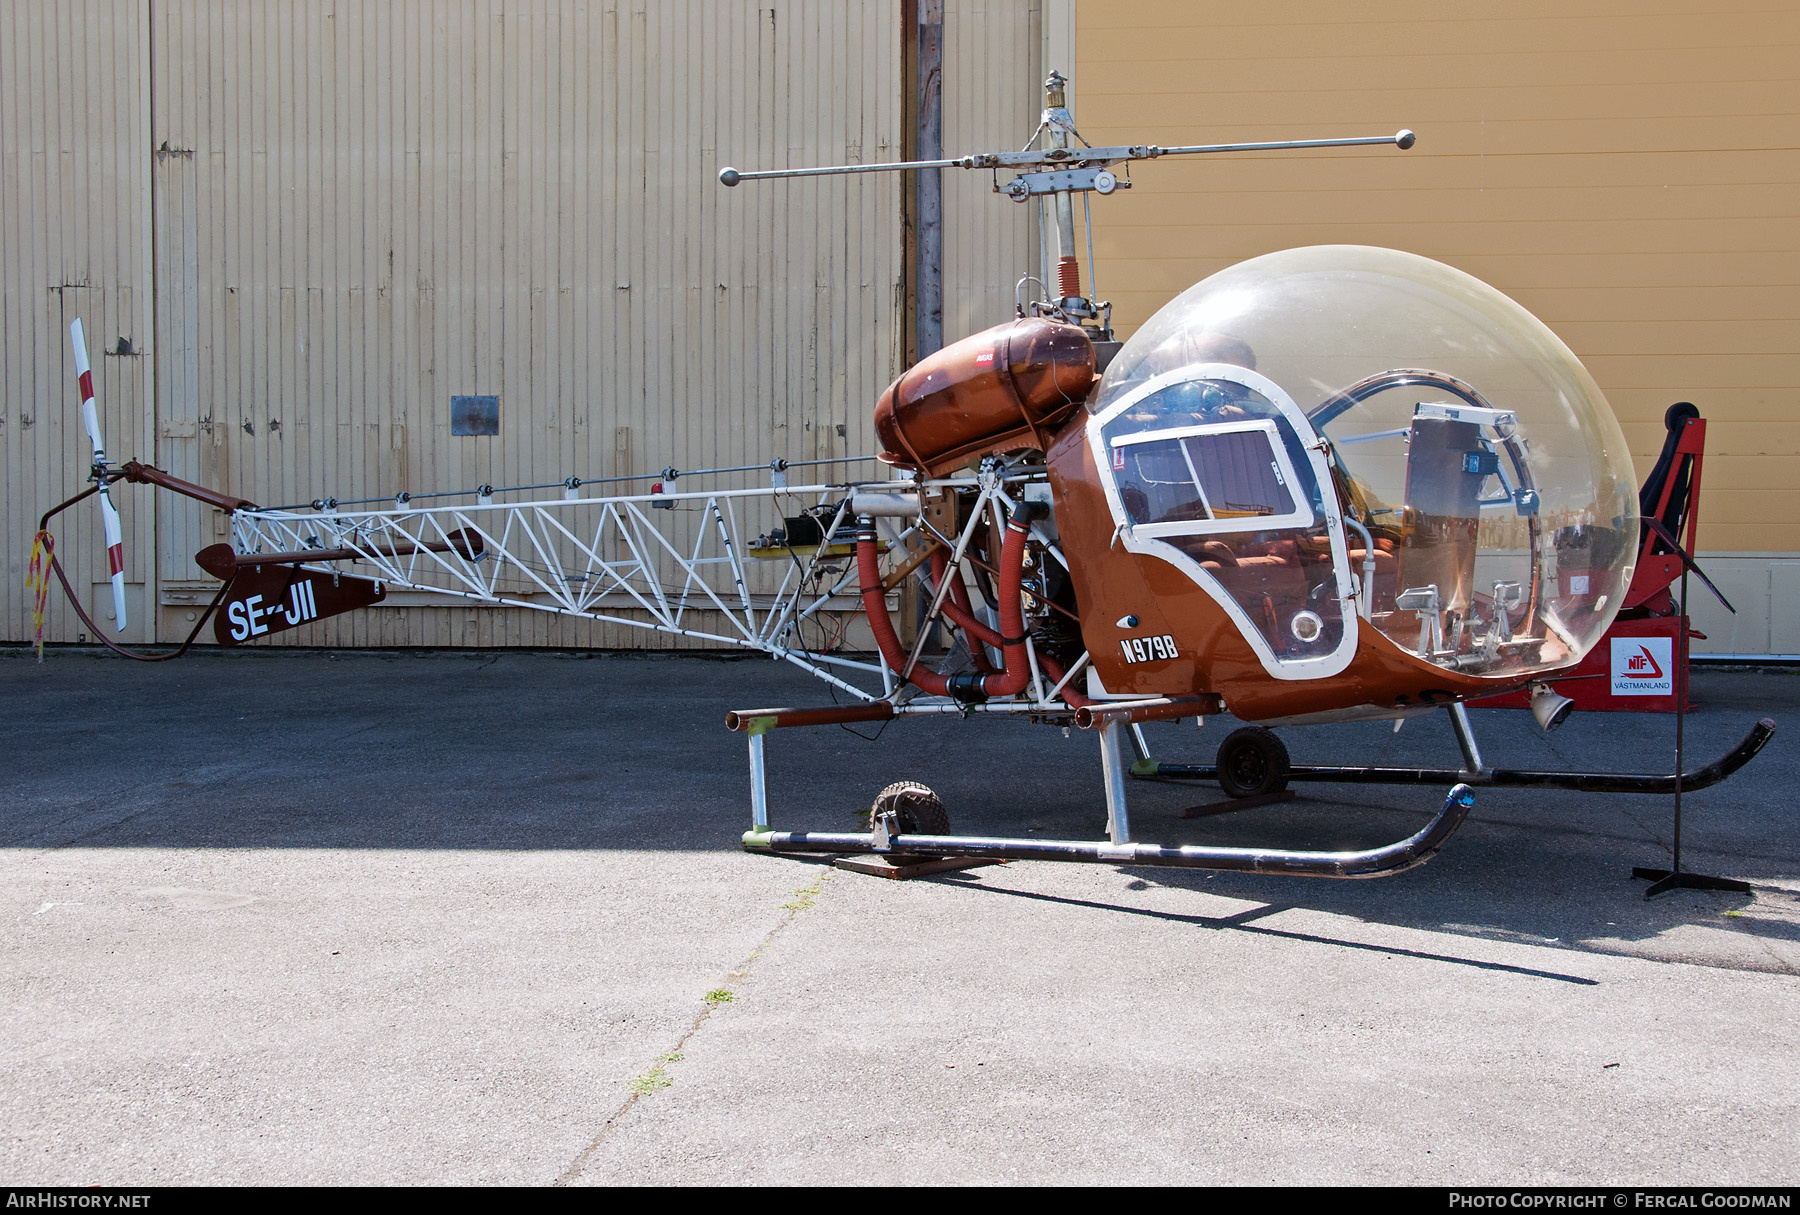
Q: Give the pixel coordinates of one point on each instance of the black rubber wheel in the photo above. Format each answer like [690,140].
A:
[1252,762]
[917,810]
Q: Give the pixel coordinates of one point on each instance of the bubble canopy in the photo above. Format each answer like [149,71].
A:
[1475,491]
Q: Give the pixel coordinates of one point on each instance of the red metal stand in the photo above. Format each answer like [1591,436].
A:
[1607,681]
[1634,668]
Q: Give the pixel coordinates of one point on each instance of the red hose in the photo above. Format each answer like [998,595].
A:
[963,618]
[957,608]
[868,575]
[1010,639]
[1017,674]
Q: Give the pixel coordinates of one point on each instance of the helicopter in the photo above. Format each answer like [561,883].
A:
[1327,484]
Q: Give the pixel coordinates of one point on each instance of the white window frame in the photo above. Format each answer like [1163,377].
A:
[1301,516]
[1149,540]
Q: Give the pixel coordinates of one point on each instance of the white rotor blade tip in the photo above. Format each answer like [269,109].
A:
[118,585]
[90,415]
[115,556]
[80,342]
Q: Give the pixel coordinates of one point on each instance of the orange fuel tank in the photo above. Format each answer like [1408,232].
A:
[1000,390]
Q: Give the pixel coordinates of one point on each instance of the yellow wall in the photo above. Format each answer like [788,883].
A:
[1628,170]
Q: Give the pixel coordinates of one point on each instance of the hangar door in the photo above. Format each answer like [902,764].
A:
[300,231]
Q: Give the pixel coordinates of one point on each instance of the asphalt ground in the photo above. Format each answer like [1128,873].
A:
[282,917]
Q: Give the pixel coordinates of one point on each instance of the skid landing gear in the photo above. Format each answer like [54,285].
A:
[900,805]
[1496,778]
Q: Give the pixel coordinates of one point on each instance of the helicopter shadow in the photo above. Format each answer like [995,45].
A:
[598,752]
[1549,869]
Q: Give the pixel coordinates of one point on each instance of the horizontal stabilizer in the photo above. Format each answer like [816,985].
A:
[271,599]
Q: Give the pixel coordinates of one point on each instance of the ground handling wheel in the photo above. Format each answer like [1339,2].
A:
[1252,762]
[916,809]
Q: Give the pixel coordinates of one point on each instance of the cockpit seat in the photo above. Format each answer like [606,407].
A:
[1252,569]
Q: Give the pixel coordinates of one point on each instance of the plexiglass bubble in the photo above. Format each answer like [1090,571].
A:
[1488,496]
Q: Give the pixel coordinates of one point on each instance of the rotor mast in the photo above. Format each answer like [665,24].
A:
[1059,126]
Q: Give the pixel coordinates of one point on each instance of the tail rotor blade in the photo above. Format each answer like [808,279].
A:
[90,416]
[109,514]
[115,555]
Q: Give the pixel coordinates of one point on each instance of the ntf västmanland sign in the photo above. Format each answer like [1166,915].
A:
[1643,666]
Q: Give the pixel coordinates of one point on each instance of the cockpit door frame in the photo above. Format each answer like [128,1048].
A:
[1148,539]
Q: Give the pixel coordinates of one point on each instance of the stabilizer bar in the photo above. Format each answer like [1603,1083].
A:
[1501,778]
[1416,849]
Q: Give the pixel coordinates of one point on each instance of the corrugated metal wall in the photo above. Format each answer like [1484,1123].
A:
[74,242]
[359,210]
[993,94]
[394,204]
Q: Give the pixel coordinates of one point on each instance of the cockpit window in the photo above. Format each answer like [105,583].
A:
[1230,476]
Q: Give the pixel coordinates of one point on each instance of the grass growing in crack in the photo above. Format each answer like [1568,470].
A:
[806,896]
[658,1076]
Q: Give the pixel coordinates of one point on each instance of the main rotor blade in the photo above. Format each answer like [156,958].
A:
[1067,158]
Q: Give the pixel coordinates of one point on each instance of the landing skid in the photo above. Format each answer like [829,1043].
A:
[1414,850]
[885,839]
[1495,778]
